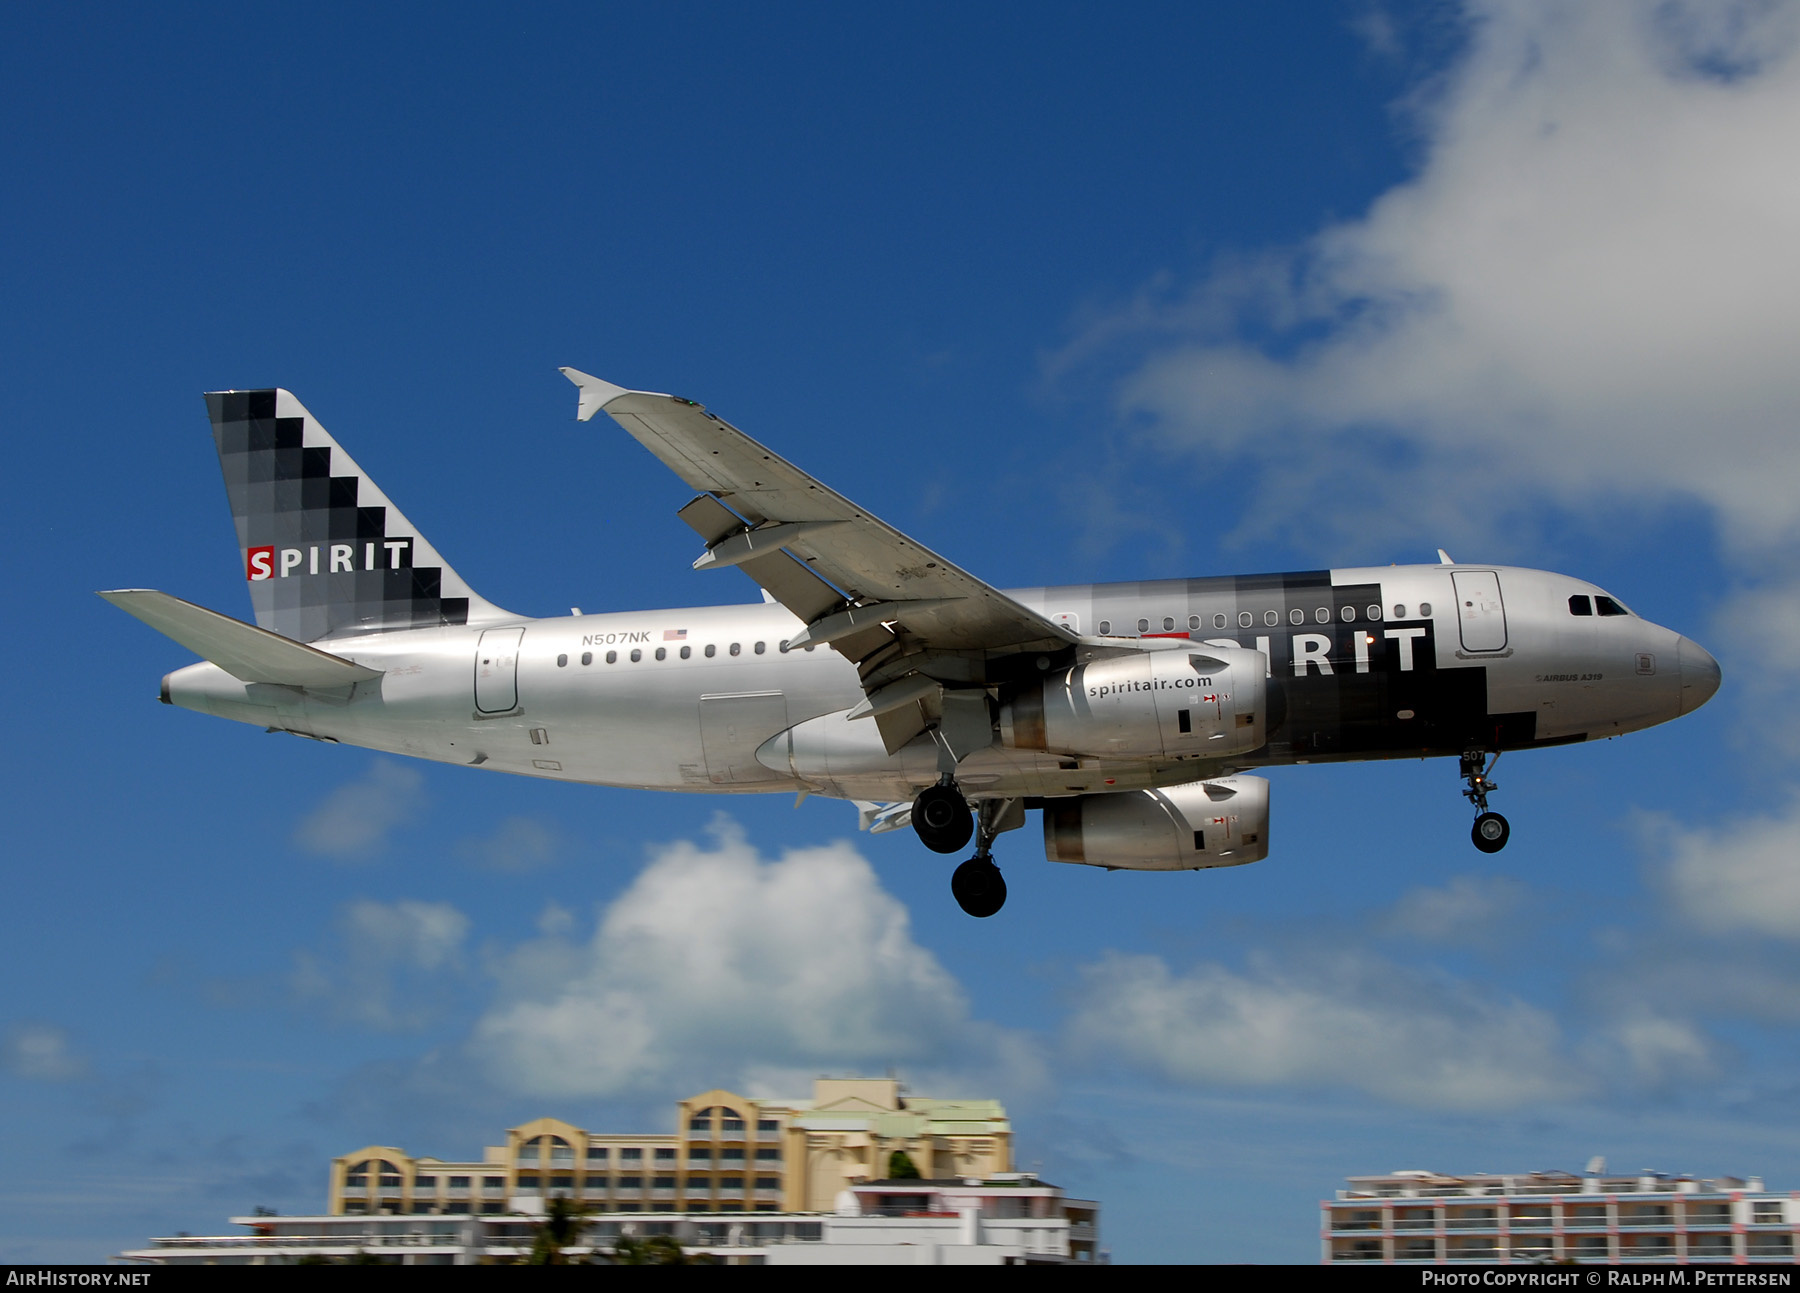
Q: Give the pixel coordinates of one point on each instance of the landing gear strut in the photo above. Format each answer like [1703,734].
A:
[1490,831]
[977,884]
[942,818]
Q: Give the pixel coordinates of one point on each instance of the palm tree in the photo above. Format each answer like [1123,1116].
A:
[560,1227]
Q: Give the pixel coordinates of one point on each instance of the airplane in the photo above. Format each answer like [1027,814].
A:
[876,671]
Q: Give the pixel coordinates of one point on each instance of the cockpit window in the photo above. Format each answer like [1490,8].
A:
[1607,606]
[1580,605]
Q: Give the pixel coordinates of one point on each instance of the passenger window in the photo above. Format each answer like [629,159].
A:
[1373,612]
[782,646]
[587,657]
[760,647]
[662,653]
[736,649]
[1105,628]
[1194,622]
[1271,617]
[1245,619]
[1607,606]
[636,655]
[686,652]
[1143,626]
[1580,605]
[562,662]
[1219,621]
[1323,615]
[1424,610]
[1168,623]
[612,657]
[1296,616]
[711,650]
[1400,612]
[1348,614]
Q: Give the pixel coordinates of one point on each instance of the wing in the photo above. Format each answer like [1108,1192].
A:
[912,621]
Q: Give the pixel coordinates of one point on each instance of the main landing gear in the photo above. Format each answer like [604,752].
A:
[1490,831]
[944,822]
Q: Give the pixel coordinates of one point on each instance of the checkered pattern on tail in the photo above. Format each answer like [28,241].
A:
[325,553]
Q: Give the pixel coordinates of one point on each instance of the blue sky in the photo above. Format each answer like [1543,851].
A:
[1069,294]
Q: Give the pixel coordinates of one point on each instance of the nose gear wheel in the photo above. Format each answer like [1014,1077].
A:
[1490,831]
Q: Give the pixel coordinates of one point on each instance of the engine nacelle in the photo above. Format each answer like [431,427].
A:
[1149,704]
[1222,822]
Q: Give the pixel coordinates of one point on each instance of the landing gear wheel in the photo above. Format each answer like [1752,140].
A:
[942,819]
[978,887]
[1490,832]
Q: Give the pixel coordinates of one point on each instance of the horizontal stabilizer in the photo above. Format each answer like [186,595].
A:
[241,650]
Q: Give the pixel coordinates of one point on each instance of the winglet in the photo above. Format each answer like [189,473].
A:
[1444,558]
[594,392]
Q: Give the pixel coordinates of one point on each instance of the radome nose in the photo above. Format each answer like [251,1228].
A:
[1699,675]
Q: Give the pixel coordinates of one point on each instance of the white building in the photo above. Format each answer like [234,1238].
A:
[1419,1217]
[1010,1219]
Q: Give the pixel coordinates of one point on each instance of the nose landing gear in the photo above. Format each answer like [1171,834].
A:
[1490,831]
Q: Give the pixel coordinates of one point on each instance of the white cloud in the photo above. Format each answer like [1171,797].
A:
[1398,1034]
[1590,289]
[1467,908]
[1742,879]
[517,844]
[1659,1049]
[716,966]
[393,965]
[41,1052]
[355,820]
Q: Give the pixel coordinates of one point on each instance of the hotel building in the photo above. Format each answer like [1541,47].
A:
[728,1153]
[1420,1217]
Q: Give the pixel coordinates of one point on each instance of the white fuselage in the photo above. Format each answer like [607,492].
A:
[684,699]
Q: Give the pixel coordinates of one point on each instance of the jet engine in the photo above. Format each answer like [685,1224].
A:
[1222,822]
[1148,704]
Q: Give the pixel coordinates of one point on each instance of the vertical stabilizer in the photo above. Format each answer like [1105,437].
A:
[324,552]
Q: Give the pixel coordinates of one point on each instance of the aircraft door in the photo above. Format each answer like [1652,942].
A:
[497,671]
[732,727]
[1480,613]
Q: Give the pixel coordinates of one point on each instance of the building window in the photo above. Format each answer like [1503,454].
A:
[731,1124]
[768,1155]
[425,1183]
[1766,1213]
[730,1156]
[768,1182]
[596,1153]
[459,1182]
[767,1124]
[663,1183]
[562,1182]
[665,1155]
[631,1182]
[631,1155]
[699,1158]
